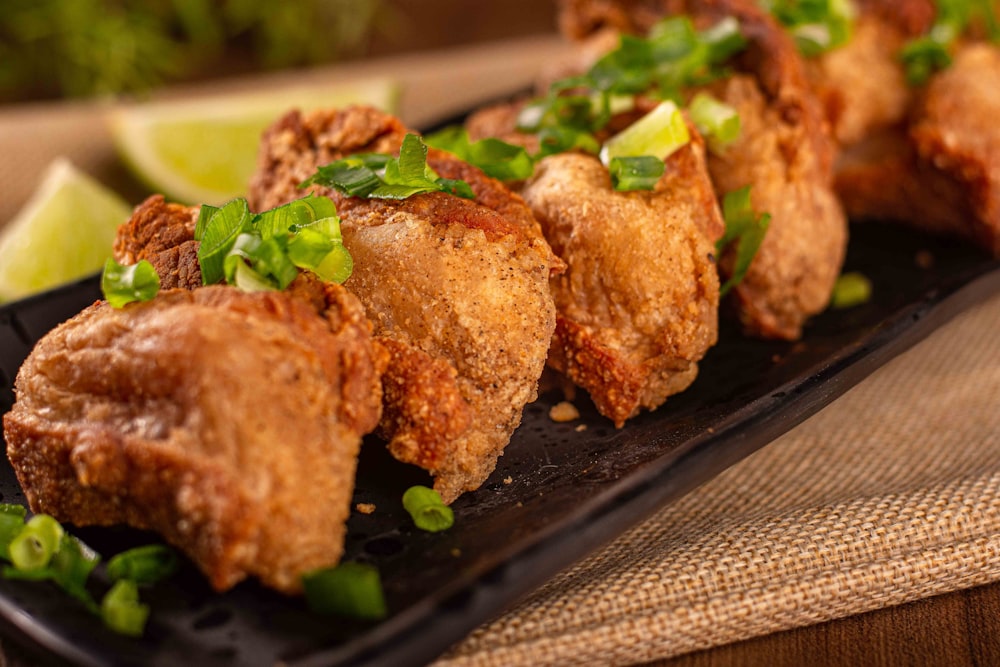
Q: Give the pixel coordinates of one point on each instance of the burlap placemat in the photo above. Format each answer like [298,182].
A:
[889,495]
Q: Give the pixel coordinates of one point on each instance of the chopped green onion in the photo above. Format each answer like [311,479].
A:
[143,565]
[219,233]
[121,610]
[309,247]
[816,25]
[746,229]
[336,267]
[299,214]
[719,123]
[11,523]
[122,285]
[71,566]
[204,215]
[659,133]
[674,56]
[635,173]
[270,247]
[375,176]
[40,550]
[851,289]
[349,589]
[930,53]
[267,257]
[38,541]
[496,158]
[427,509]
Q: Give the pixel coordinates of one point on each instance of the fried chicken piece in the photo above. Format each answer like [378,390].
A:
[927,157]
[637,307]
[939,172]
[457,291]
[228,422]
[955,134]
[784,153]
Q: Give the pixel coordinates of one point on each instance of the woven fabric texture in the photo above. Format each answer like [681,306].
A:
[889,495]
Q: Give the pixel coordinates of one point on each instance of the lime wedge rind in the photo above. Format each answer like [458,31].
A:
[203,151]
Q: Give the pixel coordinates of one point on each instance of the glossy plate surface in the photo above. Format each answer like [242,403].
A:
[558,493]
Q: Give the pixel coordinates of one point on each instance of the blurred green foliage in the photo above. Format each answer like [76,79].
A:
[75,48]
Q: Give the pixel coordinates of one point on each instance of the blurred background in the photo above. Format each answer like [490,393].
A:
[54,49]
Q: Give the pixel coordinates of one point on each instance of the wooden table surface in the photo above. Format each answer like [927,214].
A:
[955,630]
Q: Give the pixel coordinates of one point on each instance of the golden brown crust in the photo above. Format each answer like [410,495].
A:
[214,417]
[163,234]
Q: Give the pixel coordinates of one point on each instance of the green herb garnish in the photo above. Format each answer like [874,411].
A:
[674,56]
[635,173]
[143,565]
[266,250]
[32,548]
[349,589]
[41,550]
[121,610]
[923,56]
[496,158]
[122,285]
[851,289]
[746,229]
[380,176]
[427,509]
[817,26]
[715,120]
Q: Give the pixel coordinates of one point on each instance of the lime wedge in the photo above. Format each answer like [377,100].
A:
[204,151]
[64,232]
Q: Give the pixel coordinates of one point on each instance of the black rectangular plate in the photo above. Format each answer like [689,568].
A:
[569,490]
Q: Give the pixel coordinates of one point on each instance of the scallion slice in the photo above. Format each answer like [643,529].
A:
[719,123]
[219,233]
[121,610]
[270,247]
[11,523]
[635,173]
[349,589]
[851,289]
[427,509]
[375,176]
[817,25]
[659,133]
[930,53]
[496,158]
[143,565]
[123,285]
[746,229]
[33,547]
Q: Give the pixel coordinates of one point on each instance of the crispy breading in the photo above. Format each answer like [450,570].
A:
[637,307]
[163,234]
[457,290]
[228,422]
